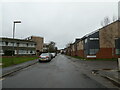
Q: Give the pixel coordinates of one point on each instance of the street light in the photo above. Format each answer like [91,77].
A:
[14,33]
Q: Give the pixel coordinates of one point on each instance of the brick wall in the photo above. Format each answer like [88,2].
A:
[80,53]
[107,53]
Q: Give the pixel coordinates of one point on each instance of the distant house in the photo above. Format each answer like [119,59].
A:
[80,48]
[21,47]
[91,44]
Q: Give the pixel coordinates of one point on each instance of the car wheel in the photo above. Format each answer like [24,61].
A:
[39,61]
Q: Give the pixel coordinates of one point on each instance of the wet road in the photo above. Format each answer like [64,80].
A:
[59,73]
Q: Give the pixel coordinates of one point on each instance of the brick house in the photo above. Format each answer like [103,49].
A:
[39,43]
[102,43]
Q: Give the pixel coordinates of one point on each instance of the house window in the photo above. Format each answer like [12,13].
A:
[0,43]
[22,51]
[31,51]
[15,51]
[117,51]
[85,40]
[94,38]
[10,44]
[22,45]
[27,51]
[15,44]
[1,52]
[3,43]
[27,44]
[93,51]
[6,43]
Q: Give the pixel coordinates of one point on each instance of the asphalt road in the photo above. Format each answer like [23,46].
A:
[59,73]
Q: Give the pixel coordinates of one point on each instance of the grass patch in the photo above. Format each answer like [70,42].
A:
[102,59]
[0,59]
[9,61]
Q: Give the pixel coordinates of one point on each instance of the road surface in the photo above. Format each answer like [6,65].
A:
[59,73]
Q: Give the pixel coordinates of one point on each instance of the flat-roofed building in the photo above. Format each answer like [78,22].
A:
[39,43]
[21,47]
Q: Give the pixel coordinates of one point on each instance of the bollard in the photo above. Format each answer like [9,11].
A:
[118,63]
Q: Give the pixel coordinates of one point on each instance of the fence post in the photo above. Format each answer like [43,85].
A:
[118,63]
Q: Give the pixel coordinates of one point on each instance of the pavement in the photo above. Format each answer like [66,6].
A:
[62,72]
[112,75]
[8,70]
[106,69]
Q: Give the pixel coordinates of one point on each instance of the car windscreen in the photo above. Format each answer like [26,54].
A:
[44,54]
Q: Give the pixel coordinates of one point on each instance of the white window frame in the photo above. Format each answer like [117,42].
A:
[94,38]
[117,51]
[1,52]
[86,40]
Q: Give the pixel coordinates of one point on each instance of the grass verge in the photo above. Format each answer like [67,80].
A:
[9,61]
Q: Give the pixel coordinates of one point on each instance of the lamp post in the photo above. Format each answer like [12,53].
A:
[14,34]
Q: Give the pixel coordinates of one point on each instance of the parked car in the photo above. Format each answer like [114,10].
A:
[45,57]
[53,54]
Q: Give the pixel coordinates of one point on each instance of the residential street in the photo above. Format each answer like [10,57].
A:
[61,72]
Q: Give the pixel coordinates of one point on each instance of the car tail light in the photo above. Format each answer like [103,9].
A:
[47,56]
[39,56]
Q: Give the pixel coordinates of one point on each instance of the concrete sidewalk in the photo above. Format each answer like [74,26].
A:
[112,75]
[8,70]
[106,69]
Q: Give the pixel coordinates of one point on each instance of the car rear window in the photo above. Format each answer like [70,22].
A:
[44,54]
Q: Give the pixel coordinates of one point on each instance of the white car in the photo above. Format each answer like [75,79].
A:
[45,57]
[53,55]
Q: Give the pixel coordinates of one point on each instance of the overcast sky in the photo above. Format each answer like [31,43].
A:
[60,22]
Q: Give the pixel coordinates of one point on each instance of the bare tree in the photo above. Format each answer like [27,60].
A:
[52,47]
[102,23]
[68,44]
[114,18]
[106,21]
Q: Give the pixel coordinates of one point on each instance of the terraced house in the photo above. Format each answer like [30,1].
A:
[21,47]
[102,43]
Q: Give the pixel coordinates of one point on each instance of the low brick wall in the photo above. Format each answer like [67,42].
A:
[80,53]
[106,53]
[102,53]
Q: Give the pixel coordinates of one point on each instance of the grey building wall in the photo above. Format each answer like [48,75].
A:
[91,43]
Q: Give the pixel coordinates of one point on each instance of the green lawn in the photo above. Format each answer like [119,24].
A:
[95,59]
[8,61]
[0,59]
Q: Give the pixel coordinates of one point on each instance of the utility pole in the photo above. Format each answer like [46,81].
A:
[13,38]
